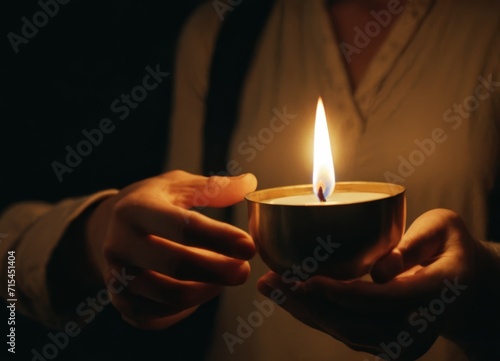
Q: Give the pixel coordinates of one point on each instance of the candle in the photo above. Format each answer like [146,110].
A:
[363,220]
[335,198]
[322,192]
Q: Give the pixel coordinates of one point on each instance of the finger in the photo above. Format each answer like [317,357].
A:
[219,237]
[141,309]
[154,216]
[159,323]
[397,295]
[143,294]
[178,295]
[178,261]
[315,311]
[377,331]
[319,313]
[424,240]
[144,313]
[271,286]
[186,190]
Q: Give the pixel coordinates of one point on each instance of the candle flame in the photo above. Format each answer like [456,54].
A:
[323,172]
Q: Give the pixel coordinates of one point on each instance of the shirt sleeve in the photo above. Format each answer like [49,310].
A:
[31,231]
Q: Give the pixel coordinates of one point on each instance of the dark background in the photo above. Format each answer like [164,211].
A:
[62,82]
[65,79]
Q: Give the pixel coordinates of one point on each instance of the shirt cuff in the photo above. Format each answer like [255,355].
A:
[33,230]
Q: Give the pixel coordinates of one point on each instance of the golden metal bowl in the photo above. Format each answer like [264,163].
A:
[339,240]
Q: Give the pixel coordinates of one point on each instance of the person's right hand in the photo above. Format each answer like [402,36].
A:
[178,257]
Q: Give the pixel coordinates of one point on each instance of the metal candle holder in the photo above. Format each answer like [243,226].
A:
[362,232]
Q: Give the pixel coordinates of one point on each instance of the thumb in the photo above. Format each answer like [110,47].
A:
[225,191]
[215,191]
[423,240]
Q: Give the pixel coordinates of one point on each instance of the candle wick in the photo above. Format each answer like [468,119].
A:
[321,195]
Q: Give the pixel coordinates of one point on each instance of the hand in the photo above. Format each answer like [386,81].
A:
[430,284]
[177,257]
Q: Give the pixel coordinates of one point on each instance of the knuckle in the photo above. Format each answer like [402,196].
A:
[452,219]
[124,206]
[449,215]
[175,174]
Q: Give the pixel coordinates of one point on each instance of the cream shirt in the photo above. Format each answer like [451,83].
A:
[425,115]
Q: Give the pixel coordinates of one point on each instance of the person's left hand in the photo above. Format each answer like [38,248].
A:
[419,290]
